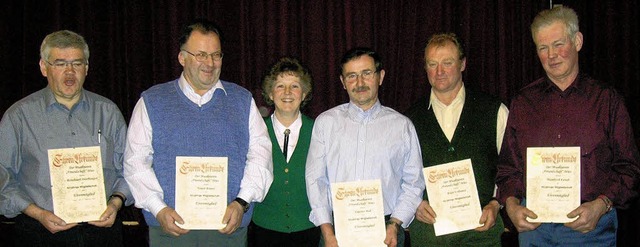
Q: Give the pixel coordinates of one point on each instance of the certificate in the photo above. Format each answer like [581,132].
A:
[77,183]
[553,183]
[201,191]
[358,213]
[453,195]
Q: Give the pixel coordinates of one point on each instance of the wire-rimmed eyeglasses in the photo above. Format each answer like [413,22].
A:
[203,56]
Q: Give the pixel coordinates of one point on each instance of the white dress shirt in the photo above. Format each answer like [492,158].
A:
[279,128]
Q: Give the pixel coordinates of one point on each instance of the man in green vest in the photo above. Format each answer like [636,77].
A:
[454,124]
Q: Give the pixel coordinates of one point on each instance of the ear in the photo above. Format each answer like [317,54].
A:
[342,81]
[181,58]
[464,64]
[43,68]
[578,41]
[271,96]
[381,76]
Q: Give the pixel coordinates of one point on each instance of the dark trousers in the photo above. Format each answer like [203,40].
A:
[29,232]
[262,237]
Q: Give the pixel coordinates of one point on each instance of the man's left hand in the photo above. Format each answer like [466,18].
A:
[392,233]
[589,214]
[489,215]
[108,217]
[232,217]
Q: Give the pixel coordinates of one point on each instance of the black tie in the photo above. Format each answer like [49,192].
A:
[286,143]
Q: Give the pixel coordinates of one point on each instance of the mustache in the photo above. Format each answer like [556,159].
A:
[360,89]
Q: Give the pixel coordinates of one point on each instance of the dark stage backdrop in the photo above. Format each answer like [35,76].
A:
[134,45]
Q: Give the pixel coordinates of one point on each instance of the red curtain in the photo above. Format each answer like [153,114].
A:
[134,45]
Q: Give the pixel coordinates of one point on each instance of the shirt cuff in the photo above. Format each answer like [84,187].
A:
[320,216]
[155,205]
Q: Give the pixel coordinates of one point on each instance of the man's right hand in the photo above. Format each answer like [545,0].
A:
[328,235]
[49,220]
[167,217]
[518,215]
[425,213]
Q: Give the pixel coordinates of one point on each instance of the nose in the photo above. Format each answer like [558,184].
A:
[68,69]
[209,61]
[439,69]
[359,80]
[287,90]
[552,52]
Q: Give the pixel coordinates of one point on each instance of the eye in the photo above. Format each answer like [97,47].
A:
[202,56]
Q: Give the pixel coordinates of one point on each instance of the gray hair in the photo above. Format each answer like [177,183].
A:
[63,39]
[560,13]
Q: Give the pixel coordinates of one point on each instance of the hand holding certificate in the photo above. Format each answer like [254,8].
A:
[201,191]
[77,183]
[358,213]
[453,195]
[553,183]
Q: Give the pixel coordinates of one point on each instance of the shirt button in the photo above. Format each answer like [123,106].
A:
[73,133]
[286,181]
[286,170]
[559,136]
[451,149]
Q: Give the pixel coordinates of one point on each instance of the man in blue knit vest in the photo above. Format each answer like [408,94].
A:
[197,115]
[454,124]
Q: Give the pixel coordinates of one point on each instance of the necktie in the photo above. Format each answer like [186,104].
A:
[286,143]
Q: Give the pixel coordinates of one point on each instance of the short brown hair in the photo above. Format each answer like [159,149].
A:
[441,39]
[288,66]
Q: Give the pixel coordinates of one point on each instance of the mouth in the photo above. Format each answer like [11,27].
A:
[69,81]
[554,65]
[287,100]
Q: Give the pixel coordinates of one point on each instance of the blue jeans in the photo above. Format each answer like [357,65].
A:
[556,234]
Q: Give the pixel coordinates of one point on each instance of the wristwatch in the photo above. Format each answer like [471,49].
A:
[243,203]
[395,224]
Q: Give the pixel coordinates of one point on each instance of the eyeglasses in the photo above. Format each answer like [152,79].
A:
[61,64]
[203,56]
[365,75]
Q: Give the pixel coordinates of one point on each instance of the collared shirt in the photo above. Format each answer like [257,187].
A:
[279,129]
[349,144]
[587,114]
[138,156]
[38,123]
[448,116]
